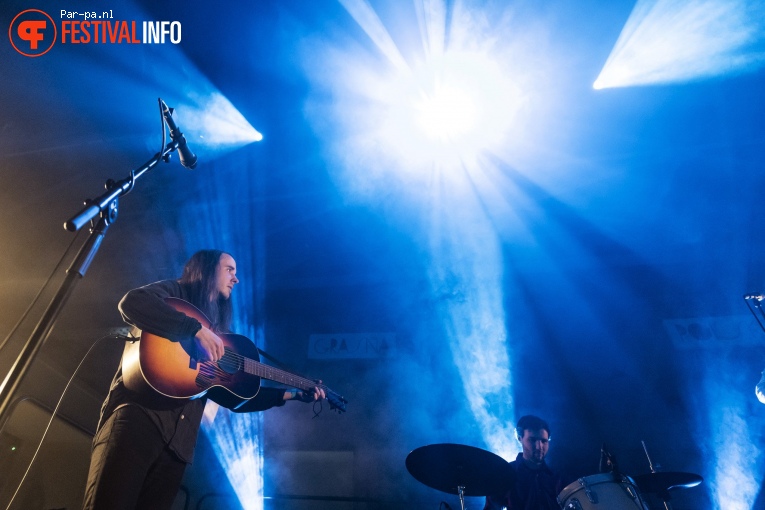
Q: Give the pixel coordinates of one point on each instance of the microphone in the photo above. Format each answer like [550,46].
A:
[607,461]
[188,158]
[603,466]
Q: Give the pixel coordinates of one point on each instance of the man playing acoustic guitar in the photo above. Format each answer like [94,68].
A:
[145,440]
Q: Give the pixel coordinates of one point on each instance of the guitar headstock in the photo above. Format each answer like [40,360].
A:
[336,401]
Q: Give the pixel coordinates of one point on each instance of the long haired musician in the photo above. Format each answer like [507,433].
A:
[145,440]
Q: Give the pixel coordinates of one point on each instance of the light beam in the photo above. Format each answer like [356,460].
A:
[419,121]
[672,41]
[214,122]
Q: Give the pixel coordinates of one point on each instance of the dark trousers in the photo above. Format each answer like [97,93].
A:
[130,466]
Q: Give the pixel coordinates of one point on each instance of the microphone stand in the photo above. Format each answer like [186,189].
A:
[106,207]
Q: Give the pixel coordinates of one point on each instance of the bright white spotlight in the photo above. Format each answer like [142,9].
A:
[420,121]
[445,111]
[446,114]
[666,41]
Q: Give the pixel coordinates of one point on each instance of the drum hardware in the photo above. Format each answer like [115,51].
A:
[648,456]
[590,495]
[573,504]
[631,492]
[459,469]
[603,491]
[660,483]
[608,464]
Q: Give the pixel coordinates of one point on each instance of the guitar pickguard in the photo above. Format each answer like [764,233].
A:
[210,374]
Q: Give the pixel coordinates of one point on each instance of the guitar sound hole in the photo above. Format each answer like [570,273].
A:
[229,363]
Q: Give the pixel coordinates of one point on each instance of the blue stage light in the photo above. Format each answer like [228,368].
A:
[235,439]
[421,123]
[212,121]
[671,41]
[735,483]
[443,107]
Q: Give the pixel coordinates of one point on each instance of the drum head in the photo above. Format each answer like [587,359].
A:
[601,492]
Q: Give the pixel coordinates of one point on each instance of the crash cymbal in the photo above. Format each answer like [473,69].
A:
[446,466]
[662,482]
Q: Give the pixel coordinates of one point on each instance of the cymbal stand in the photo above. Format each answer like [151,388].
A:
[754,303]
[461,493]
[664,495]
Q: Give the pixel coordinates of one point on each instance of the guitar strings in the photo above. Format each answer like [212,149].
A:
[336,400]
[268,369]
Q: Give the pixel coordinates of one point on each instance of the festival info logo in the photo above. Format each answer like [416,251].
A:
[32,33]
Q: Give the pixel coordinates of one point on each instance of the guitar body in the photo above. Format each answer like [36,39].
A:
[171,368]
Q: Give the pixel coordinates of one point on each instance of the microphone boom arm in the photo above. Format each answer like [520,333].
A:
[106,207]
[114,190]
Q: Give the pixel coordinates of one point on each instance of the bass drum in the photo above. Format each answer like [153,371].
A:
[601,492]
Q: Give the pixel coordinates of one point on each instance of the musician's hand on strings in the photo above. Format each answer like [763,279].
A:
[209,345]
[317,393]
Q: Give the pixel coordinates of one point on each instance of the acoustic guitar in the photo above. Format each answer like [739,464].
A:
[156,364]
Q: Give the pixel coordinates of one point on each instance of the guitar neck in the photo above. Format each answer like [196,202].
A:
[259,369]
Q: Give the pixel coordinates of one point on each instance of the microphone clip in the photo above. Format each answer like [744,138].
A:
[188,158]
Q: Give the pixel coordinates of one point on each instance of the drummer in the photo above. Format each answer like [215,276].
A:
[532,485]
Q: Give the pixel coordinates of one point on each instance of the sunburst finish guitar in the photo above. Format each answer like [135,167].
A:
[156,364]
